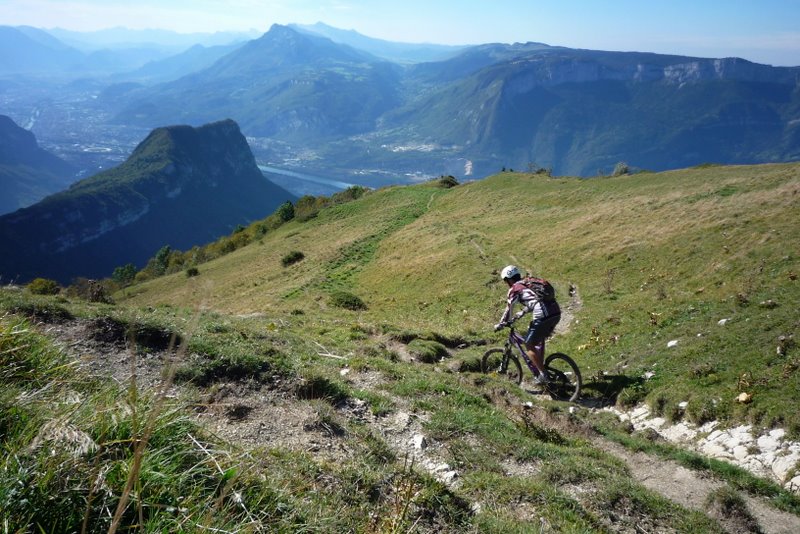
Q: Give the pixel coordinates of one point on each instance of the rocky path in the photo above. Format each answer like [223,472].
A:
[692,490]
[769,455]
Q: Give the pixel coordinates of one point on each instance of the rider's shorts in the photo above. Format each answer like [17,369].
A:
[541,329]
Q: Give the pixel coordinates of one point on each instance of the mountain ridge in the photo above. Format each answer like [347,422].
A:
[28,173]
[391,50]
[323,107]
[180,187]
[574,111]
[309,87]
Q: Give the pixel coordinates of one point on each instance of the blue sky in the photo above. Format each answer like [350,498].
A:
[766,31]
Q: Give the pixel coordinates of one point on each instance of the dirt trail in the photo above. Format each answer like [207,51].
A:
[691,489]
[568,311]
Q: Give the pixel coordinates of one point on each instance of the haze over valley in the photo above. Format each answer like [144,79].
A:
[323,110]
[338,105]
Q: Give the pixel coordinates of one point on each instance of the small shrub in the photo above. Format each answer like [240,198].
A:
[348,301]
[470,364]
[191,272]
[702,411]
[124,274]
[621,168]
[533,168]
[44,286]
[320,387]
[91,290]
[448,181]
[224,369]
[427,351]
[631,396]
[285,211]
[292,258]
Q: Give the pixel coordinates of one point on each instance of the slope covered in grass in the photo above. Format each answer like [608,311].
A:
[654,258]
[83,453]
[288,412]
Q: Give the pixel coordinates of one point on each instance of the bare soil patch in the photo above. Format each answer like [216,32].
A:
[692,489]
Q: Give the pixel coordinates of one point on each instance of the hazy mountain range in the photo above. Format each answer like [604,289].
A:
[342,105]
[182,186]
[575,111]
[25,50]
[393,51]
[352,105]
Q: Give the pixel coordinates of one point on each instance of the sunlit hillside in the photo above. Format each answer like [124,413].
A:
[290,407]
[654,257]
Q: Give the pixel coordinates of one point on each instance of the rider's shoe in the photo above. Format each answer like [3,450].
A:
[541,380]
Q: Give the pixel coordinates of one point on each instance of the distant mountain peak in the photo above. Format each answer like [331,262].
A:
[182,186]
[390,50]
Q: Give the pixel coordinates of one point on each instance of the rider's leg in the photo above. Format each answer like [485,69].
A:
[536,354]
[539,330]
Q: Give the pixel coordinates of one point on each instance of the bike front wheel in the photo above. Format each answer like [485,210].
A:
[564,377]
[503,363]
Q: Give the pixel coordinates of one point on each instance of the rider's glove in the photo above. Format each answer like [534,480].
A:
[499,326]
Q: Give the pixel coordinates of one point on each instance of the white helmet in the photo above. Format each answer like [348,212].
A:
[510,271]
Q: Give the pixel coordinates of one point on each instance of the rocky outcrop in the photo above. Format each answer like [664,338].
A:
[182,186]
[769,454]
[552,70]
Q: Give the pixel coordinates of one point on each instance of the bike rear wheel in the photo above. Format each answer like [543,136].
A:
[564,377]
[500,362]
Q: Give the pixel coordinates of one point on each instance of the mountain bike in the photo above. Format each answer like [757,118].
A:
[564,377]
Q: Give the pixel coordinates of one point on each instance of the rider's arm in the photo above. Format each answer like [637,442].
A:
[513,298]
[506,313]
[527,298]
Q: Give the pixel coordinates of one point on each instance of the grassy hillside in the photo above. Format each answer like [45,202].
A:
[291,412]
[654,258]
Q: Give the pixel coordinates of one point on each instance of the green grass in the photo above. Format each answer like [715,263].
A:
[654,257]
[189,478]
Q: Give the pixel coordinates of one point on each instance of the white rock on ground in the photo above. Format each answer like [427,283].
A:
[419,442]
[784,465]
[768,455]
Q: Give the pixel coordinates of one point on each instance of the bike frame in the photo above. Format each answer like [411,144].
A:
[515,339]
[564,375]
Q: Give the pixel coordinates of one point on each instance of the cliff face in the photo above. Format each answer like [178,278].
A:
[553,70]
[27,172]
[580,112]
[182,186]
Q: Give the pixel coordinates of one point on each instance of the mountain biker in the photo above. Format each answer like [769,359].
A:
[546,316]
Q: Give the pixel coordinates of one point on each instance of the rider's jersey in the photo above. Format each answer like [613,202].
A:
[519,293]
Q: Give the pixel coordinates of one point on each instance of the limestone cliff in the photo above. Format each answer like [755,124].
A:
[182,186]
